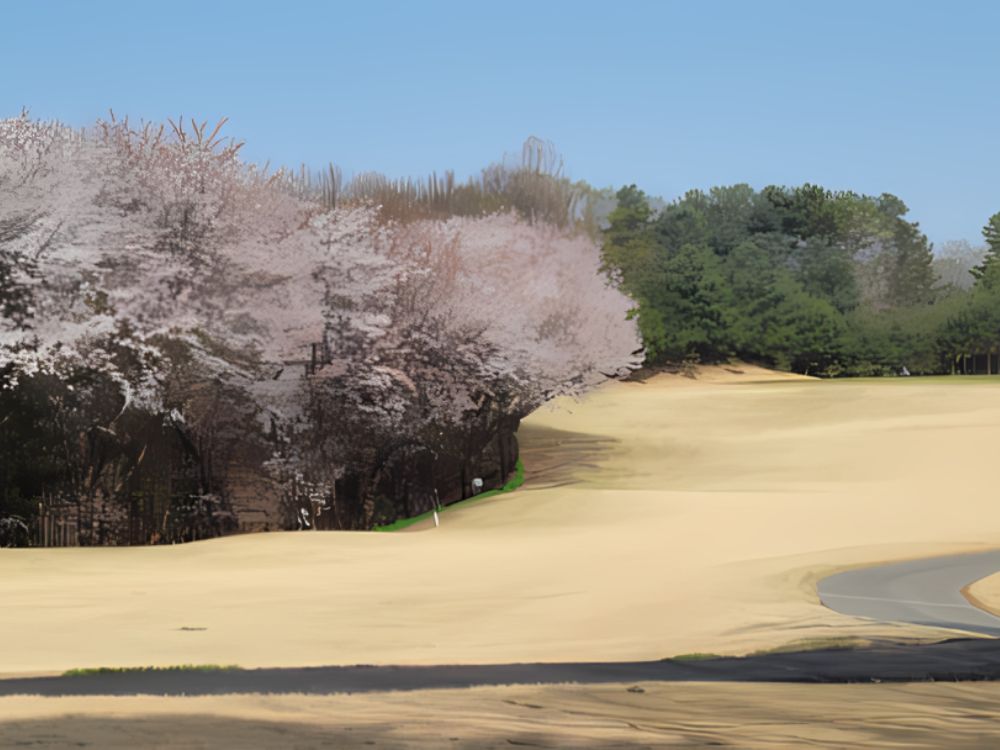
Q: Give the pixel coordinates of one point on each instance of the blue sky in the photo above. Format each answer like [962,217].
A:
[877,97]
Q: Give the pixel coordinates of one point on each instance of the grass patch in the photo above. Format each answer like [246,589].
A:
[816,644]
[808,644]
[696,656]
[512,484]
[133,670]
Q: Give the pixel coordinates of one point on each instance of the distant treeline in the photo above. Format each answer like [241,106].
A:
[804,279]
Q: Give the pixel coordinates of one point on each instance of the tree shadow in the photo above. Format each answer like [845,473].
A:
[554,458]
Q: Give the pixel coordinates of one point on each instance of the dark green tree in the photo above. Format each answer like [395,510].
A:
[802,278]
[988,272]
[694,305]
[826,270]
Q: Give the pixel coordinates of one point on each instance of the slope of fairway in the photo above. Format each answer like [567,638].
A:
[658,518]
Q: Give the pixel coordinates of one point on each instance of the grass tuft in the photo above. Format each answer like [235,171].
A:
[817,644]
[87,671]
[696,656]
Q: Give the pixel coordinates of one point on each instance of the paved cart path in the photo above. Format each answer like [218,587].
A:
[920,592]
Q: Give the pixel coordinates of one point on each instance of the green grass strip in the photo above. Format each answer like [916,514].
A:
[130,670]
[836,643]
[696,656]
[512,484]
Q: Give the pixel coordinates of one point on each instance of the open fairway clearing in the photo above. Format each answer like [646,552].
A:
[659,518]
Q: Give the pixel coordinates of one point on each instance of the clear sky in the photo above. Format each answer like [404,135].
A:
[900,97]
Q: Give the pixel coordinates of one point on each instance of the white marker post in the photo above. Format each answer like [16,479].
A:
[437,522]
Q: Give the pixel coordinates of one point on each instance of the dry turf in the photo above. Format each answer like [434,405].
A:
[658,518]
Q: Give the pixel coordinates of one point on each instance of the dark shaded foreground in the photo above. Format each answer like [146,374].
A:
[951,660]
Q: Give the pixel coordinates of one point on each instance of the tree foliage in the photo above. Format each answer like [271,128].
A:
[775,275]
[175,319]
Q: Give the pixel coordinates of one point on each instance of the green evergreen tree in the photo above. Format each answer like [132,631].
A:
[801,278]
[826,270]
[988,272]
[909,268]
[694,302]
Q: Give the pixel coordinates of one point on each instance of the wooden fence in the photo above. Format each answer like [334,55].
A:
[984,363]
[57,527]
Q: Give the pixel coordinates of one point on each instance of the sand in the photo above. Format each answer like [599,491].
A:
[924,715]
[659,518]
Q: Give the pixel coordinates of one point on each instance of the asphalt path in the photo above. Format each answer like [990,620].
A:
[921,592]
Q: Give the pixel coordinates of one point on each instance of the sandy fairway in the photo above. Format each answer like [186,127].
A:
[985,593]
[659,518]
[752,717]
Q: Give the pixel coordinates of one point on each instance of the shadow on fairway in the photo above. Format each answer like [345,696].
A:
[952,660]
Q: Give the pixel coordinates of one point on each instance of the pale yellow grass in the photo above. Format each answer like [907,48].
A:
[985,593]
[657,520]
[604,716]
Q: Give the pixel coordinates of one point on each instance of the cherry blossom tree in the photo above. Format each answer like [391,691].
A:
[194,319]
